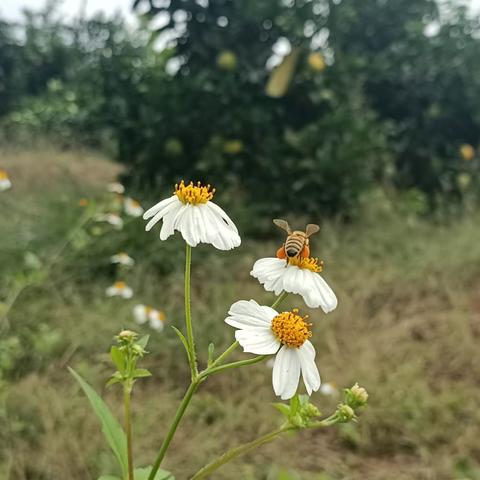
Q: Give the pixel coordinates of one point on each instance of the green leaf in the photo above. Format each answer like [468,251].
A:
[282,408]
[182,338]
[143,341]
[294,405]
[109,477]
[143,473]
[115,378]
[141,372]
[111,429]
[118,358]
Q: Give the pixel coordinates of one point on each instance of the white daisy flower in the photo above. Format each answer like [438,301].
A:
[116,187]
[144,313]
[111,218]
[263,331]
[119,289]
[191,211]
[5,183]
[297,275]
[122,258]
[132,207]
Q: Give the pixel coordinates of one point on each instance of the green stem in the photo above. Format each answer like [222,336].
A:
[246,447]
[127,391]
[188,313]
[225,354]
[279,299]
[173,427]
[228,366]
[237,452]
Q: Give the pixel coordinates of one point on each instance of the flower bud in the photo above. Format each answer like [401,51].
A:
[356,396]
[126,336]
[345,413]
[312,411]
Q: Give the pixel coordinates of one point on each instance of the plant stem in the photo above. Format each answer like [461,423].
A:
[188,313]
[279,299]
[127,391]
[173,427]
[237,452]
[225,354]
[246,447]
[251,361]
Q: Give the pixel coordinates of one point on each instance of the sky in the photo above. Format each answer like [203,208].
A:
[11,9]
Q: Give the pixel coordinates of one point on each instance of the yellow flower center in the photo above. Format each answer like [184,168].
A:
[134,203]
[309,263]
[291,328]
[120,285]
[193,194]
[148,309]
[3,175]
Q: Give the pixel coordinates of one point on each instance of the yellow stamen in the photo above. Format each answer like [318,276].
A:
[291,328]
[309,263]
[3,175]
[120,285]
[193,194]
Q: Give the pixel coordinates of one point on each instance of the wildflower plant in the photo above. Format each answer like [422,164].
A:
[264,331]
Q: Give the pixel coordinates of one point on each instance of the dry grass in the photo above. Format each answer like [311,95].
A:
[407,327]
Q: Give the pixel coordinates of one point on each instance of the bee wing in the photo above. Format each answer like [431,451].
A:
[311,229]
[283,224]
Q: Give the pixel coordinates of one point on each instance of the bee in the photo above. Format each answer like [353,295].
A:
[297,242]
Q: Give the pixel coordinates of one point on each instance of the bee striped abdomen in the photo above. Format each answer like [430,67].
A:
[294,245]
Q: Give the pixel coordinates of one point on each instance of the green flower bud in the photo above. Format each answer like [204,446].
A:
[297,421]
[345,413]
[312,411]
[126,336]
[356,396]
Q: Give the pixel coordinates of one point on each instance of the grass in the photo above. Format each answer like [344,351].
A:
[407,328]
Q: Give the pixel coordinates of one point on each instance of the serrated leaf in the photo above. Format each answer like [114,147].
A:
[282,408]
[141,372]
[118,358]
[111,429]
[142,341]
[143,473]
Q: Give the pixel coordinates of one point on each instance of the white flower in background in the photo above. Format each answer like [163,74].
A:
[119,289]
[111,218]
[122,258]
[263,331]
[329,389]
[144,313]
[132,207]
[191,211]
[5,183]
[116,187]
[297,275]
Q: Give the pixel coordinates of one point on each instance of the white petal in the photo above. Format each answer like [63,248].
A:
[126,292]
[169,219]
[249,314]
[111,291]
[140,314]
[156,208]
[220,212]
[327,298]
[310,375]
[286,372]
[170,206]
[156,324]
[270,273]
[259,340]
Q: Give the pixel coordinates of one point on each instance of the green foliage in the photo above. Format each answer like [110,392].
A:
[112,430]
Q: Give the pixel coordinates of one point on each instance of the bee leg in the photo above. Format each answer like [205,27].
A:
[305,252]
[281,253]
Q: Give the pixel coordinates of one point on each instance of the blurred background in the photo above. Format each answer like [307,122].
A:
[363,117]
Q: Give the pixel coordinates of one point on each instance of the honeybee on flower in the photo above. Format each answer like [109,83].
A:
[294,271]
[119,289]
[191,212]
[132,207]
[122,258]
[145,313]
[5,182]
